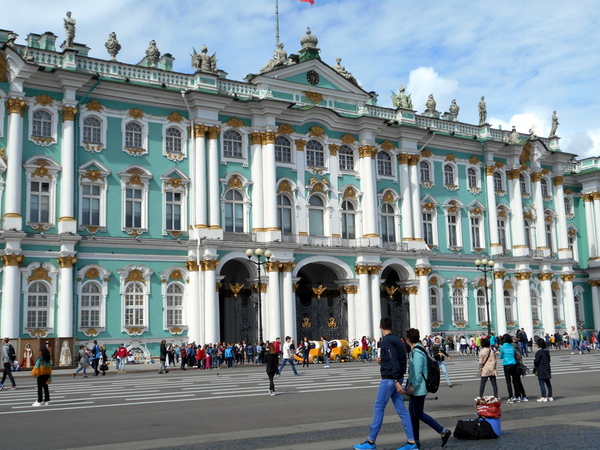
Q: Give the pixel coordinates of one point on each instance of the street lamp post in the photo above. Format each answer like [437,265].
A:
[486,266]
[259,253]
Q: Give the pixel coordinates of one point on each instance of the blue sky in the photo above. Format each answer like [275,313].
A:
[527,58]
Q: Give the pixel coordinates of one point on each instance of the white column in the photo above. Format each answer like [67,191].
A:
[546,299]
[524,300]
[569,300]
[413,299]
[540,224]
[364,310]
[413,169]
[289,305]
[66,222]
[256,167]
[595,286]
[517,223]
[212,331]
[273,328]
[375,279]
[424,312]
[351,292]
[200,180]
[14,157]
[367,154]
[270,188]
[559,200]
[11,291]
[213,179]
[495,247]
[64,307]
[596,214]
[500,324]
[407,210]
[590,225]
[192,303]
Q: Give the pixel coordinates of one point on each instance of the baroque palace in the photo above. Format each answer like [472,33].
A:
[130,194]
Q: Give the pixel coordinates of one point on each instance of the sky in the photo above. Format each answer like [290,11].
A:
[527,57]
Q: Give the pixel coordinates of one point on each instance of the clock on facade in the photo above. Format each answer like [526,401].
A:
[312,77]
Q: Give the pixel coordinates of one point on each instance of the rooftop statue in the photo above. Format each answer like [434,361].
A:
[482,111]
[203,62]
[454,109]
[280,58]
[554,124]
[532,134]
[152,53]
[343,72]
[430,105]
[69,24]
[401,100]
[113,46]
[513,137]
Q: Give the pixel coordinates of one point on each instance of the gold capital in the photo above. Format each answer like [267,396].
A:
[568,277]
[300,144]
[522,276]
[213,132]
[66,262]
[350,289]
[499,274]
[13,259]
[558,180]
[256,138]
[269,137]
[546,276]
[412,290]
[200,130]
[69,113]
[209,264]
[367,151]
[403,158]
[414,160]
[489,170]
[423,271]
[333,149]
[288,266]
[536,177]
[192,266]
[16,106]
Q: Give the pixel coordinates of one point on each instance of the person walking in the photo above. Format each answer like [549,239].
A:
[42,370]
[440,355]
[82,360]
[365,349]
[8,358]
[523,340]
[163,357]
[122,355]
[417,389]
[96,356]
[305,351]
[272,362]
[392,368]
[574,340]
[541,365]
[229,356]
[326,351]
[510,361]
[487,363]
[288,356]
[103,367]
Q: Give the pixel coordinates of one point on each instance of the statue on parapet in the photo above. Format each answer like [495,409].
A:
[152,53]
[280,58]
[454,109]
[203,62]
[401,100]
[554,124]
[69,24]
[113,46]
[513,137]
[430,105]
[482,111]
[343,72]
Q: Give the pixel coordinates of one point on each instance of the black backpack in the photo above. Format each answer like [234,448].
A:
[474,430]
[432,381]
[11,353]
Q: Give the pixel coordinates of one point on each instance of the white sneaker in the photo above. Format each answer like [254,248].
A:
[524,399]
[37,404]
[550,399]
[45,403]
[542,399]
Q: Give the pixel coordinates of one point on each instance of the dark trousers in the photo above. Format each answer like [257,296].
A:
[492,379]
[95,364]
[271,382]
[416,406]
[42,385]
[8,373]
[511,375]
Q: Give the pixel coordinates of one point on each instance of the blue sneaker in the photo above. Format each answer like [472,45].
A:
[408,446]
[365,446]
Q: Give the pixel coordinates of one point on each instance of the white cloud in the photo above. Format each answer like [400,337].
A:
[424,81]
[524,123]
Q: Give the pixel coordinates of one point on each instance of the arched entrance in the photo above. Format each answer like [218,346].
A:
[394,301]
[238,314]
[321,309]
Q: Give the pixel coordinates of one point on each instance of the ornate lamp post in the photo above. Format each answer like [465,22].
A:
[486,266]
[259,253]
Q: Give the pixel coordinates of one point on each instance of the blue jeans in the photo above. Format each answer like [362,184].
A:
[291,361]
[365,355]
[326,359]
[416,406]
[524,349]
[444,370]
[121,363]
[543,384]
[387,390]
[574,344]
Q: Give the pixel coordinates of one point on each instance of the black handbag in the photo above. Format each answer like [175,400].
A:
[474,430]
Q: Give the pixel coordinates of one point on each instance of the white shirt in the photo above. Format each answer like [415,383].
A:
[287,353]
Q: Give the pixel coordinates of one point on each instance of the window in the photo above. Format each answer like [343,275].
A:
[38,301]
[42,124]
[476,232]
[91,198]
[346,158]
[388,223]
[535,306]
[89,313]
[174,305]
[544,187]
[508,307]
[234,211]
[502,237]
[568,207]
[452,230]
[39,202]
[458,305]
[316,216]
[523,185]
[133,207]
[481,311]
[134,304]
[283,149]
[134,185]
[549,230]
[472,178]
[498,182]
[425,171]
[315,155]
[434,304]
[232,144]
[572,242]
[133,135]
[556,307]
[578,309]
[92,130]
[284,214]
[428,237]
[173,210]
[527,226]
[348,220]
[384,164]
[173,140]
[449,176]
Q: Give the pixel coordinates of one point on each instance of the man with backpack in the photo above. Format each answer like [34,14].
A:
[8,358]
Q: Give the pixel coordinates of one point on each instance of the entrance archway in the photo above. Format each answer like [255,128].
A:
[238,316]
[394,301]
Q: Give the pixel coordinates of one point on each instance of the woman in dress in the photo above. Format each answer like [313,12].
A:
[27,362]
[42,370]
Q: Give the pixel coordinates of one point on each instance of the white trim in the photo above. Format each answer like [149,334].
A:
[52,272]
[175,156]
[102,181]
[52,169]
[91,146]
[102,280]
[240,160]
[51,109]
[146,274]
[135,151]
[126,175]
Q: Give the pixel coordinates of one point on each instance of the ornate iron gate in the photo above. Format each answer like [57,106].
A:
[245,318]
[397,308]
[327,316]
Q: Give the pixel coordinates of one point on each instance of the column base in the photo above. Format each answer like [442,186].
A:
[14,223]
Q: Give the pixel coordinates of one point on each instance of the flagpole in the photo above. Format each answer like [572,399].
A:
[276,22]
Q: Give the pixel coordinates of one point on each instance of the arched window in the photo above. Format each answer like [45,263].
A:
[283,149]
[523,185]
[544,187]
[135,304]
[40,196]
[434,304]
[449,175]
[232,144]
[527,225]
[458,305]
[173,143]
[133,135]
[472,178]
[316,216]
[174,305]
[578,308]
[425,170]
[388,223]
[173,210]
[535,306]
[502,237]
[38,303]
[508,307]
[568,206]
[384,164]
[427,218]
[549,230]
[476,232]
[498,181]
[453,236]
[284,214]
[556,307]
[481,311]
[234,211]
[92,129]
[42,124]
[348,220]
[315,155]
[89,313]
[346,158]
